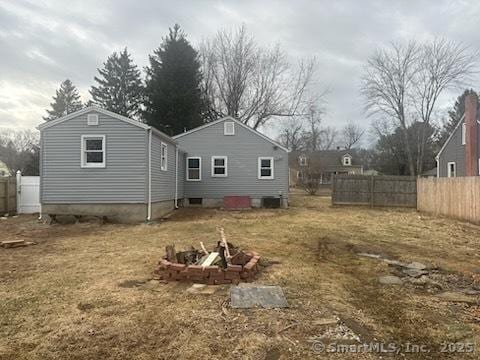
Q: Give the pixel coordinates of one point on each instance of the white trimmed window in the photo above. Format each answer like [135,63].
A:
[93,151]
[163,156]
[194,168]
[228,128]
[265,168]
[451,169]
[464,134]
[347,160]
[219,166]
[302,160]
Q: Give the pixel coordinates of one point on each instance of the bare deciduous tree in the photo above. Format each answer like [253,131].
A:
[388,78]
[405,81]
[351,135]
[328,137]
[292,135]
[251,83]
[19,150]
[443,64]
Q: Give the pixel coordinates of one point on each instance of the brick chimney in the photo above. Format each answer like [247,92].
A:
[471,151]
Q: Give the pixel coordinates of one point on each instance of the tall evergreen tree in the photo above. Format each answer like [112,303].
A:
[66,101]
[173,96]
[119,85]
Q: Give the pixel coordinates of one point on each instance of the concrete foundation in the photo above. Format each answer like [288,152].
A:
[121,213]
[218,203]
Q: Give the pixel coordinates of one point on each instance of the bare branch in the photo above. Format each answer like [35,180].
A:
[251,83]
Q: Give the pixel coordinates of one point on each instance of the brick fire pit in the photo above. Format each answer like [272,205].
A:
[243,267]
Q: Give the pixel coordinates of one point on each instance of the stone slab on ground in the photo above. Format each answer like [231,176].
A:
[390,280]
[414,272]
[245,296]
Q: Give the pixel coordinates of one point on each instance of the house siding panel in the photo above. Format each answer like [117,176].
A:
[163,182]
[121,181]
[454,151]
[242,150]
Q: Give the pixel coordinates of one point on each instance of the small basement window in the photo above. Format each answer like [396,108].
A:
[451,169]
[194,168]
[93,151]
[195,201]
[228,128]
[163,156]
[219,166]
[265,167]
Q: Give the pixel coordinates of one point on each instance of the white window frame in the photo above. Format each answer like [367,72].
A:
[199,168]
[225,159]
[83,158]
[345,160]
[464,134]
[225,128]
[260,177]
[454,169]
[302,160]
[163,165]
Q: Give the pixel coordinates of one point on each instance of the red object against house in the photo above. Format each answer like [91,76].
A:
[236,202]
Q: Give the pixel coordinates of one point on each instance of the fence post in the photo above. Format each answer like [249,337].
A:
[19,189]
[334,178]
[7,196]
[372,184]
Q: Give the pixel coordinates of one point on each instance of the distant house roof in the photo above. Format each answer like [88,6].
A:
[323,159]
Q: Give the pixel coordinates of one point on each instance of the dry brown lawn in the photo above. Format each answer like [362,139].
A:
[71,296]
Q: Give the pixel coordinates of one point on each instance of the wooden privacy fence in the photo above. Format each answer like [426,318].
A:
[454,197]
[8,195]
[374,190]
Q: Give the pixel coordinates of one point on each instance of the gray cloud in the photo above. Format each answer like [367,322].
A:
[44,42]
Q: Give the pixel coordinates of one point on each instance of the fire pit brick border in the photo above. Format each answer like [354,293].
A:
[211,275]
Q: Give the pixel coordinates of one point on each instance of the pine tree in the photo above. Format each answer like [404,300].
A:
[119,85]
[66,101]
[173,96]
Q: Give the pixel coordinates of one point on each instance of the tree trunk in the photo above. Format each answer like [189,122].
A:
[411,164]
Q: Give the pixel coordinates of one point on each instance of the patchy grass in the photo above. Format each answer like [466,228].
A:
[84,292]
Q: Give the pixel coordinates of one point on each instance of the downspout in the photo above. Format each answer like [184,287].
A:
[149,204]
[176,177]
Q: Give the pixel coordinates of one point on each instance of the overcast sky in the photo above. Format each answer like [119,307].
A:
[43,42]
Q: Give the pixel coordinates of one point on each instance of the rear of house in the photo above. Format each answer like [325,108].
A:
[460,155]
[95,162]
[229,164]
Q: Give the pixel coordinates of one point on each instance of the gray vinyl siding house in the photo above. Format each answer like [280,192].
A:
[120,188]
[95,162]
[242,151]
[453,152]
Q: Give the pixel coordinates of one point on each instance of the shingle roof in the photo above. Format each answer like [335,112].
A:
[323,159]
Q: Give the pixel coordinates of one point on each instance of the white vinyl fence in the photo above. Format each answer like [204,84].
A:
[28,194]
